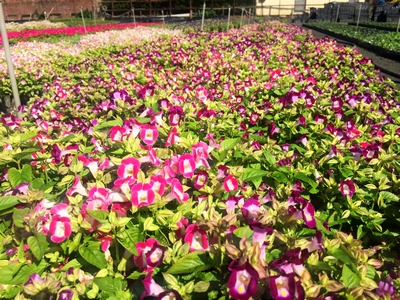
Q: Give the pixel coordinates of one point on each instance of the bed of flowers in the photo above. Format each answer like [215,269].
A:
[255,164]
[37,25]
[383,40]
[27,34]
[38,62]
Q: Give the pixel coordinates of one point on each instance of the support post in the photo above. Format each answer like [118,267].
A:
[83,20]
[133,14]
[241,17]
[202,18]
[229,17]
[359,12]
[398,25]
[10,65]
[337,13]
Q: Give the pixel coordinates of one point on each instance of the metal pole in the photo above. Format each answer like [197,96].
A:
[50,12]
[45,16]
[83,20]
[359,12]
[241,18]
[337,13]
[398,25]
[248,22]
[202,18]
[133,14]
[163,19]
[10,66]
[229,17]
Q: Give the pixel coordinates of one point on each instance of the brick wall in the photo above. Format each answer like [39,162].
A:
[22,9]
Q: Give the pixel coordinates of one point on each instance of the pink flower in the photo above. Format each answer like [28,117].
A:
[60,229]
[201,179]
[202,94]
[181,231]
[347,188]
[117,133]
[148,134]
[151,287]
[142,194]
[308,214]
[177,192]
[230,183]
[242,282]
[172,138]
[175,115]
[77,187]
[200,153]
[197,238]
[150,254]
[158,184]
[129,168]
[187,165]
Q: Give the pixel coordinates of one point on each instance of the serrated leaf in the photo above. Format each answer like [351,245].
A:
[280,177]
[229,144]
[18,215]
[270,158]
[388,196]
[350,278]
[16,177]
[8,202]
[243,232]
[304,178]
[92,254]
[346,172]
[252,174]
[99,215]
[110,284]
[193,262]
[38,245]
[108,124]
[129,237]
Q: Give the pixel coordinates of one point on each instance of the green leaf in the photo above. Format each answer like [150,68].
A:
[252,174]
[229,144]
[129,237]
[350,278]
[193,262]
[243,232]
[270,158]
[93,255]
[273,254]
[388,196]
[108,124]
[99,215]
[343,254]
[17,177]
[38,245]
[280,177]
[110,284]
[136,275]
[72,264]
[304,178]
[8,201]
[346,172]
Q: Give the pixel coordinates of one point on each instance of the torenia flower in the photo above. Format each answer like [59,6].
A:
[129,168]
[230,183]
[285,287]
[187,165]
[347,188]
[202,94]
[197,238]
[149,134]
[242,282]
[308,214]
[177,191]
[175,115]
[150,254]
[201,179]
[60,229]
[142,194]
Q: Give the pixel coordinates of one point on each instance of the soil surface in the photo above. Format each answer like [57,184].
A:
[382,63]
